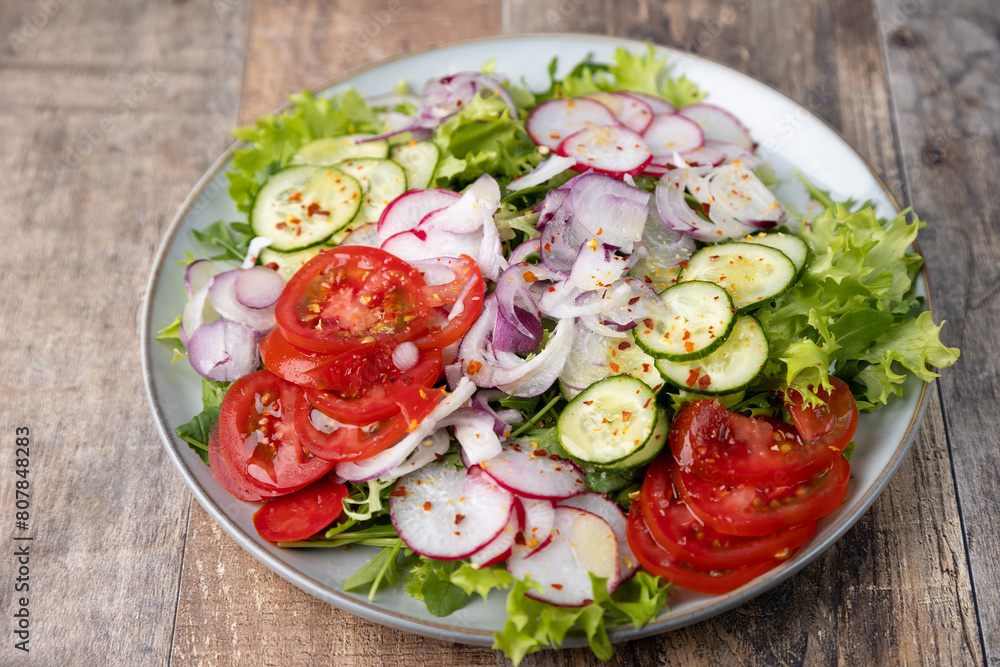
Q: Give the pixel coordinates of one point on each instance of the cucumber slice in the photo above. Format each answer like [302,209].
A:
[793,247]
[751,272]
[330,150]
[694,319]
[609,421]
[651,448]
[287,263]
[381,181]
[730,368]
[304,205]
[418,159]
[594,357]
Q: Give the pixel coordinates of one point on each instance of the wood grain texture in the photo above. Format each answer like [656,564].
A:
[108,113]
[943,69]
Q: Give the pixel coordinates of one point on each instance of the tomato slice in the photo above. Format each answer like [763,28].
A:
[465,291]
[290,362]
[343,442]
[687,539]
[832,425]
[302,514]
[747,509]
[725,447]
[379,400]
[658,561]
[352,295]
[257,436]
[223,475]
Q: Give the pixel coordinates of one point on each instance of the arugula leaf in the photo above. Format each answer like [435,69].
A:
[228,242]
[170,332]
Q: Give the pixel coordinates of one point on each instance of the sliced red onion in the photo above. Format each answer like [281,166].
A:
[474,432]
[258,287]
[429,450]
[545,170]
[513,291]
[551,122]
[509,372]
[383,462]
[657,104]
[718,124]
[223,350]
[523,251]
[392,99]
[597,268]
[609,210]
[588,360]
[502,419]
[198,273]
[407,210]
[405,356]
[508,336]
[256,244]
[610,149]
[662,246]
[490,257]
[197,311]
[558,250]
[222,295]
[673,133]
[739,195]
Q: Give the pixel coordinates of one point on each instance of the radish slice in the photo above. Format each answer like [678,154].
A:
[428,451]
[632,112]
[551,122]
[536,531]
[610,149]
[223,351]
[448,514]
[718,124]
[730,150]
[582,543]
[499,549]
[599,504]
[258,287]
[198,273]
[408,209]
[673,133]
[657,104]
[365,235]
[533,473]
[705,156]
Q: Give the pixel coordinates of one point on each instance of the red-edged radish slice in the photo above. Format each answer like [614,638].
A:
[610,149]
[551,122]
[535,474]
[672,133]
[582,543]
[730,150]
[407,210]
[630,111]
[657,104]
[536,527]
[448,514]
[718,124]
[363,235]
[499,549]
[599,504]
[704,157]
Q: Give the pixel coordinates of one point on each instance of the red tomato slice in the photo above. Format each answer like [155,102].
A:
[302,514]
[746,509]
[725,447]
[350,295]
[687,539]
[290,362]
[353,443]
[660,562]
[377,401]
[832,425]
[258,439]
[465,291]
[223,475]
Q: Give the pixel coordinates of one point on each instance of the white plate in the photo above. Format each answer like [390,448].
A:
[787,133]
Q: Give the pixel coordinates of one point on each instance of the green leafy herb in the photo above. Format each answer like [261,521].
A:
[195,432]
[225,242]
[170,332]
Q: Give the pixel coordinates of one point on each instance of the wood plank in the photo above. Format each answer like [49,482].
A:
[101,143]
[943,68]
[854,605]
[233,611]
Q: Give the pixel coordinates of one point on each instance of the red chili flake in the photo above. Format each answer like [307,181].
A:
[633,301]
[558,587]
[553,457]
[427,506]
[687,334]
[529,277]
[273,266]
[683,264]
[626,415]
[693,376]
[588,402]
[459,518]
[689,347]
[540,452]
[399,492]
[646,404]
[551,288]
[706,207]
[624,345]
[713,257]
[296,197]
[647,280]
[704,381]
[645,368]
[614,367]
[474,367]
[648,322]
[519,538]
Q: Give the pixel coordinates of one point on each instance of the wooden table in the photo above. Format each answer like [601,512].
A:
[110,111]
